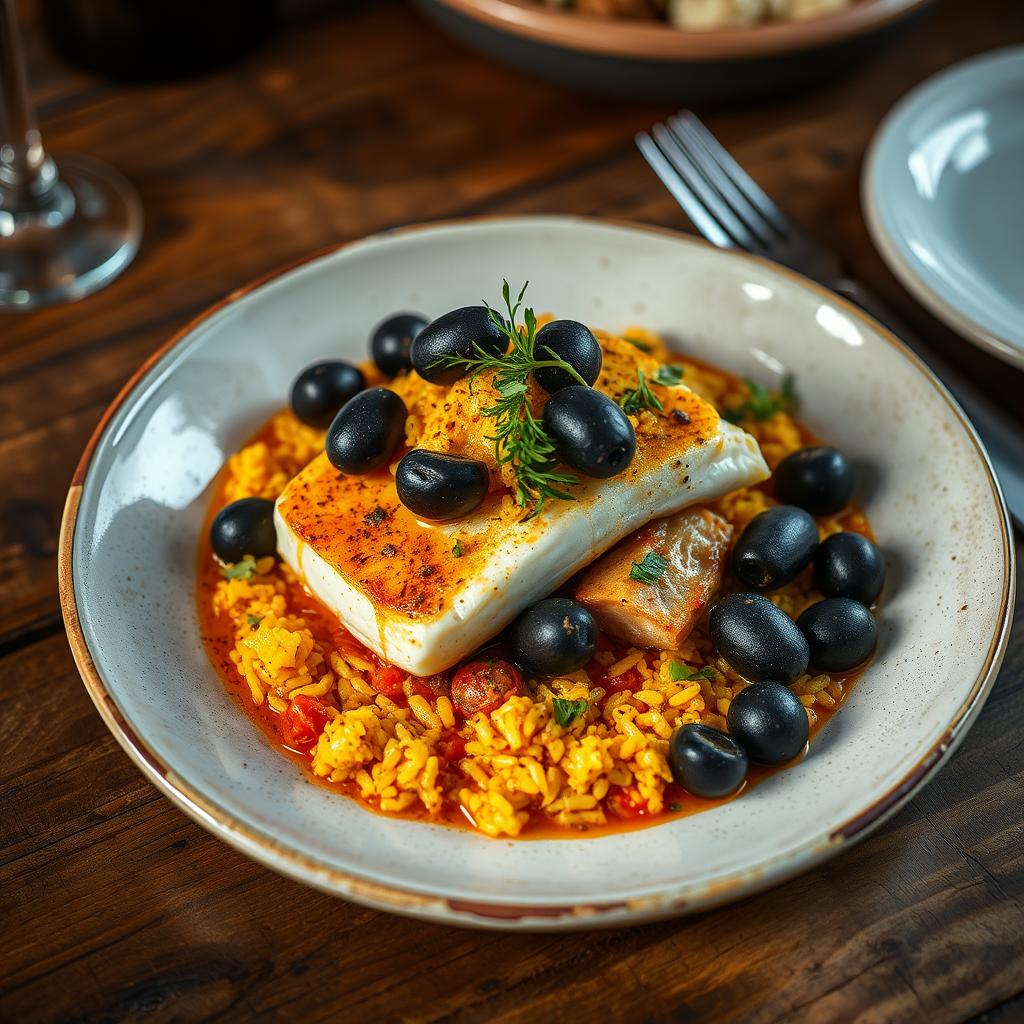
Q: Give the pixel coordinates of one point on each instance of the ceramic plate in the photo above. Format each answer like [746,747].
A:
[943,192]
[136,507]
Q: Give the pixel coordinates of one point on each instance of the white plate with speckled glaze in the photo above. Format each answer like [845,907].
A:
[943,194]
[136,506]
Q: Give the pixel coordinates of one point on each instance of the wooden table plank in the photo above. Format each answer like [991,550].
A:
[117,907]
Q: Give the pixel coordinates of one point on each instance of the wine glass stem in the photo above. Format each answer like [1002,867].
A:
[27,174]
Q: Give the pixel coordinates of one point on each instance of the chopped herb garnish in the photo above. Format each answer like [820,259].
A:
[567,711]
[641,397]
[670,375]
[649,569]
[254,620]
[457,549]
[520,439]
[762,405]
[637,343]
[675,807]
[242,570]
[680,673]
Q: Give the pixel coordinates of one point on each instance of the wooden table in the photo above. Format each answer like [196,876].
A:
[114,905]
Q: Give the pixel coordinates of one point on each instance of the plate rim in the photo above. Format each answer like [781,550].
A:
[508,913]
[640,40]
[901,266]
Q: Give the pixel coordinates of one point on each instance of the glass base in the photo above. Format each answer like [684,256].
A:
[84,234]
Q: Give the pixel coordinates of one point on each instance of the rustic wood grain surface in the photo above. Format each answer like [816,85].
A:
[113,905]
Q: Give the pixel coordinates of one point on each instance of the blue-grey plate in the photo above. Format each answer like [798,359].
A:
[943,193]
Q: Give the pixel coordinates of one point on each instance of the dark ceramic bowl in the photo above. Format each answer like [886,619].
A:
[654,60]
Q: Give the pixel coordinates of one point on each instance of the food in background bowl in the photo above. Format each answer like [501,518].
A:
[706,14]
[597,495]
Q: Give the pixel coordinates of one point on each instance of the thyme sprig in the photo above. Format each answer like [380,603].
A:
[641,397]
[520,439]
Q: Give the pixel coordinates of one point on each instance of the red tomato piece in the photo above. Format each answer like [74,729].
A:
[452,746]
[303,721]
[430,687]
[387,679]
[629,680]
[627,802]
[484,685]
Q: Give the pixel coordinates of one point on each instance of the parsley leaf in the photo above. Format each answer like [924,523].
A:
[567,711]
[680,673]
[254,620]
[637,343]
[641,397]
[761,405]
[675,807]
[669,376]
[649,569]
[243,570]
[457,549]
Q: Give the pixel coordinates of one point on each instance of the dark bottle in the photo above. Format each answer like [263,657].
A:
[148,40]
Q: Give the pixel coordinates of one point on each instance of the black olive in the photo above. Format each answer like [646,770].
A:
[573,342]
[769,722]
[775,547]
[392,340]
[455,334]
[553,637]
[438,486]
[245,527]
[759,641]
[818,479]
[366,431]
[591,433]
[849,565]
[841,634]
[706,762]
[322,389]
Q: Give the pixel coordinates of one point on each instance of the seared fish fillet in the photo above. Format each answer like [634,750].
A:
[420,600]
[695,544]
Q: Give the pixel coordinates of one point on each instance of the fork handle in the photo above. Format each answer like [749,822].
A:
[1001,435]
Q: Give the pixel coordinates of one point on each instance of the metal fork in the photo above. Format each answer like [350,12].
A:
[731,211]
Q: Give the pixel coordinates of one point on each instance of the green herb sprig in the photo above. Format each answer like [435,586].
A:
[680,673]
[642,397]
[520,439]
[649,569]
[567,711]
[457,549]
[762,405]
[243,570]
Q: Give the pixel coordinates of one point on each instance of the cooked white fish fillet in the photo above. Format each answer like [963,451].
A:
[660,612]
[421,601]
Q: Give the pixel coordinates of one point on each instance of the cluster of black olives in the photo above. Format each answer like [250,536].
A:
[767,723]
[366,425]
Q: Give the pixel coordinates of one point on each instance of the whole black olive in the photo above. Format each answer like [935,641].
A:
[575,344]
[245,527]
[438,486]
[769,722]
[849,565]
[553,637]
[591,433]
[775,547]
[392,340]
[841,634]
[706,762]
[758,640]
[818,479]
[455,334]
[322,389]
[366,431]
